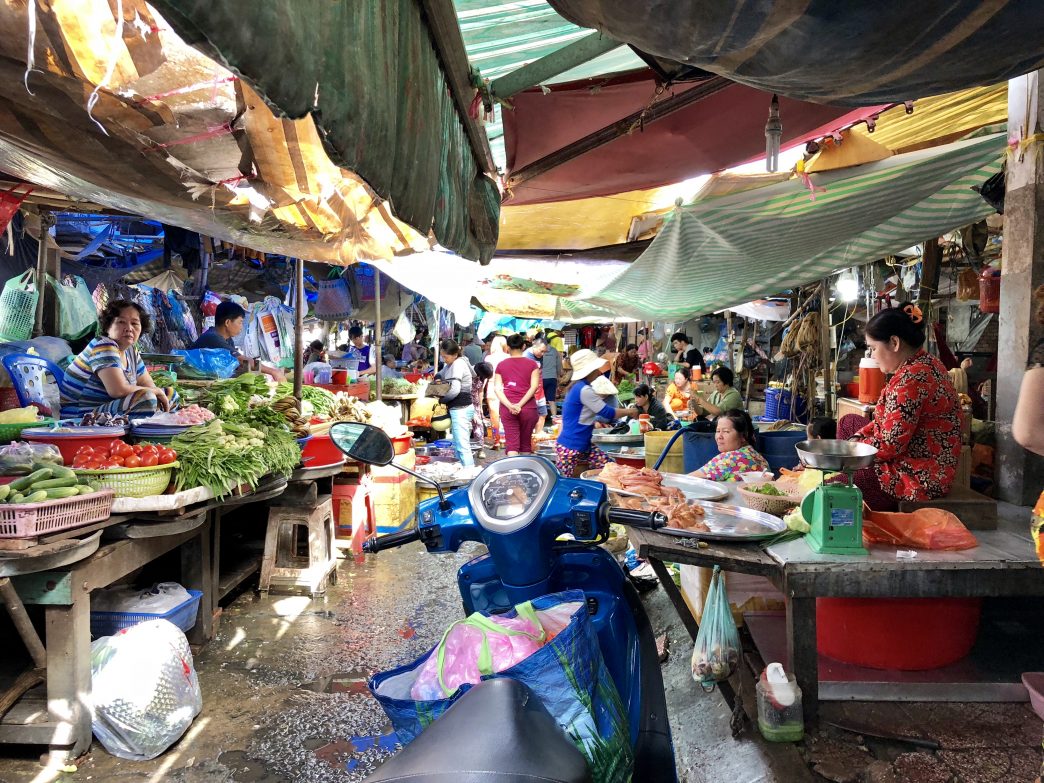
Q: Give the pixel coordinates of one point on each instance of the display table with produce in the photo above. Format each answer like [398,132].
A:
[1003,564]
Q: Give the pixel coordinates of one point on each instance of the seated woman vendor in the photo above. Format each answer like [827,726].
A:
[725,396]
[679,393]
[646,403]
[734,435]
[109,375]
[916,427]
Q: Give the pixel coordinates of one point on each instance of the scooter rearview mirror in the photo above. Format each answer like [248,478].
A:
[363,442]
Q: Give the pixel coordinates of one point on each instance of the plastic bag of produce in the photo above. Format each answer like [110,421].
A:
[207,363]
[568,673]
[716,654]
[475,648]
[145,693]
[16,459]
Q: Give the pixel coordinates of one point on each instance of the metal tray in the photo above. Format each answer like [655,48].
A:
[618,440]
[693,488]
[732,523]
[627,452]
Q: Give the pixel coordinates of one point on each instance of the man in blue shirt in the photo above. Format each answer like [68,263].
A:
[228,323]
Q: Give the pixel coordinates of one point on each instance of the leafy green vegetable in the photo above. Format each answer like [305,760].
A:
[767,489]
[321,399]
[231,395]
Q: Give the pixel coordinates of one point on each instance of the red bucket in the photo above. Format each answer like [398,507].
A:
[320,450]
[902,634]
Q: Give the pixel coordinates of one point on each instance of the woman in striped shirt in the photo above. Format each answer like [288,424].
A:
[109,375]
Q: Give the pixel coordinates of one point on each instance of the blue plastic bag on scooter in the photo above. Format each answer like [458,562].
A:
[207,363]
[569,676]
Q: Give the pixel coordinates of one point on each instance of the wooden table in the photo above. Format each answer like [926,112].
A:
[65,594]
[1004,564]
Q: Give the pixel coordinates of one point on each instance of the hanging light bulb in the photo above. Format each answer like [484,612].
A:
[848,286]
[773,136]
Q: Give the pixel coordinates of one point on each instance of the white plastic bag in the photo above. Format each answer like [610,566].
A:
[159,599]
[145,693]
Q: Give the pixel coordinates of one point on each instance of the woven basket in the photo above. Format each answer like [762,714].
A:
[771,504]
[10,432]
[132,482]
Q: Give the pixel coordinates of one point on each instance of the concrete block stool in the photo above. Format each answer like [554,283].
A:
[282,568]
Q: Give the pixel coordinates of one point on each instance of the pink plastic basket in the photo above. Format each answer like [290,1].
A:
[25,520]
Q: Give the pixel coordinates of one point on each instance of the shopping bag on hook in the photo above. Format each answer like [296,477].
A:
[567,673]
[77,315]
[334,302]
[716,653]
[18,307]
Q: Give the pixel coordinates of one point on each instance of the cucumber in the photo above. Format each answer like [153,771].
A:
[57,493]
[61,472]
[36,497]
[54,483]
[27,481]
[17,497]
[85,489]
[5,490]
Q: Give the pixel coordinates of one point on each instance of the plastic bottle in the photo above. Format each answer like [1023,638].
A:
[871,380]
[780,718]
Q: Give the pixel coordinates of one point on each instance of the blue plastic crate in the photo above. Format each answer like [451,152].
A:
[183,616]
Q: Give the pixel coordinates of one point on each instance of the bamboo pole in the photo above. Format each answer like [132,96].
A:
[378,372]
[824,348]
[299,308]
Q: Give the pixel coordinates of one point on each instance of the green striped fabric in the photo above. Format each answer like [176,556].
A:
[724,251]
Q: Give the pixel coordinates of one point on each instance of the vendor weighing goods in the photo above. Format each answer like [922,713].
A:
[835,511]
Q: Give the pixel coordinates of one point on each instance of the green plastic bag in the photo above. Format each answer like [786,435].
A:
[716,654]
[18,307]
[78,316]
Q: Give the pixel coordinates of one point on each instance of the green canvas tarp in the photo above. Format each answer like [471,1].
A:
[370,75]
[727,250]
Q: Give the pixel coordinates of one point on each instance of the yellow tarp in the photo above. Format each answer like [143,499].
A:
[596,222]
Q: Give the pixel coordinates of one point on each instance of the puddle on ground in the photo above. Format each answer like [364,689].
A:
[247,770]
[342,682]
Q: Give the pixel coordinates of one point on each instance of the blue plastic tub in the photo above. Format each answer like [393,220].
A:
[700,448]
[779,448]
[183,616]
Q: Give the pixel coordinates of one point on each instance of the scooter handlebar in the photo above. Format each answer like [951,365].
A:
[380,543]
[650,520]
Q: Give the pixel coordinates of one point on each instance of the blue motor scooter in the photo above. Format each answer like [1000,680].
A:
[519,507]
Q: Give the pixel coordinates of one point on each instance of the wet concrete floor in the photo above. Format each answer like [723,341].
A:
[285,699]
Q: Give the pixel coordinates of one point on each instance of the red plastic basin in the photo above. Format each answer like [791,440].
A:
[68,446]
[322,452]
[903,634]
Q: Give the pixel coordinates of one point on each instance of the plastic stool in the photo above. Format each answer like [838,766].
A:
[282,569]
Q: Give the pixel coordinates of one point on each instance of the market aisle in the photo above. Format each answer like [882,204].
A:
[284,685]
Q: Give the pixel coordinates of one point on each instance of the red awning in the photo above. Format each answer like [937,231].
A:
[722,130]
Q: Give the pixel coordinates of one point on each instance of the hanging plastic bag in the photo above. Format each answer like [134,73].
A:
[567,673]
[144,690]
[18,307]
[925,528]
[478,647]
[716,654]
[404,329]
[207,363]
[334,302]
[77,316]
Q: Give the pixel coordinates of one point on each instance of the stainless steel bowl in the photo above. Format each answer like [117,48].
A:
[617,440]
[840,455]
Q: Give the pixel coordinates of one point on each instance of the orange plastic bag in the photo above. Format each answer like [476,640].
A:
[926,528]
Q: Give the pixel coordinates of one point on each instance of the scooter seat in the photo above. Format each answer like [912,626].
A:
[498,732]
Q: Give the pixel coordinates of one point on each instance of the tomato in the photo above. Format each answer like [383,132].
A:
[126,450]
[132,461]
[108,464]
[80,462]
[96,462]
[148,460]
[85,451]
[118,461]
[138,448]
[150,449]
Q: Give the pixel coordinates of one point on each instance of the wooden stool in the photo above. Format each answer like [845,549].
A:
[282,569]
[976,511]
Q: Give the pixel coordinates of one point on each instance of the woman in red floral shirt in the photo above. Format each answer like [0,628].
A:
[916,427]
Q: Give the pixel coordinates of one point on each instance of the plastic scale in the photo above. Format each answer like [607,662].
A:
[835,511]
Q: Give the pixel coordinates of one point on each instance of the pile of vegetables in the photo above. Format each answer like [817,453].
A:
[123,455]
[321,400]
[223,455]
[20,458]
[397,386]
[286,409]
[233,395]
[47,482]
[767,489]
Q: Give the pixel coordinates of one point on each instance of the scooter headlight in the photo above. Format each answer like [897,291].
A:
[509,493]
